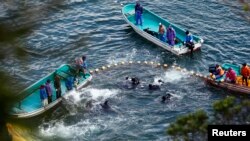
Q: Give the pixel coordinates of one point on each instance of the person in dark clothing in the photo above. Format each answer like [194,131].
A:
[138,13]
[57,85]
[84,66]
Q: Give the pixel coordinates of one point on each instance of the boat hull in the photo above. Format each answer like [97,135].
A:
[234,88]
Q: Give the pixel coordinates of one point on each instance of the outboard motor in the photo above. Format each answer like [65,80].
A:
[212,68]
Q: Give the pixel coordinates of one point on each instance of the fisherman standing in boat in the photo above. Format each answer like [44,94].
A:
[230,76]
[57,85]
[49,91]
[138,13]
[189,42]
[171,35]
[245,73]
[43,95]
[161,32]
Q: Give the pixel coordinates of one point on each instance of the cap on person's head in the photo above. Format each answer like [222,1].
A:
[187,32]
[48,80]
[244,64]
[160,24]
[217,65]
[42,86]
[229,69]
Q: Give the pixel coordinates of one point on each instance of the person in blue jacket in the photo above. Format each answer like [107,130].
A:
[43,95]
[69,83]
[138,13]
[189,41]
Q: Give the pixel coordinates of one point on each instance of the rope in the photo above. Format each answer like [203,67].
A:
[150,63]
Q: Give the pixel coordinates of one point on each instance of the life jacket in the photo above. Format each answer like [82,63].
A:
[221,71]
[245,71]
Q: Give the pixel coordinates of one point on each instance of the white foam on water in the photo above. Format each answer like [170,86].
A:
[84,127]
[59,129]
[171,76]
[73,96]
[100,94]
[91,93]
[176,96]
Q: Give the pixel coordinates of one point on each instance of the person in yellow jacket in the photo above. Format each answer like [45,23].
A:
[219,72]
[245,73]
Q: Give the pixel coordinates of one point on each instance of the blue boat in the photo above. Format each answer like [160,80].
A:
[29,104]
[151,23]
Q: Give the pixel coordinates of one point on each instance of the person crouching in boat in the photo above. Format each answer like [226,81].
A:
[189,42]
[230,76]
[245,72]
[43,95]
[171,35]
[161,32]
[219,72]
[138,13]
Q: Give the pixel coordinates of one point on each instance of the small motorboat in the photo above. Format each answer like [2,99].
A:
[29,104]
[150,26]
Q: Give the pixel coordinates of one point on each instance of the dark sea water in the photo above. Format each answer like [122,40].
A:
[96,28]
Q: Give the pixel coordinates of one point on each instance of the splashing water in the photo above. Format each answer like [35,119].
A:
[171,76]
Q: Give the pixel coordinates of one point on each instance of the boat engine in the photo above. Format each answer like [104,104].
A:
[212,68]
